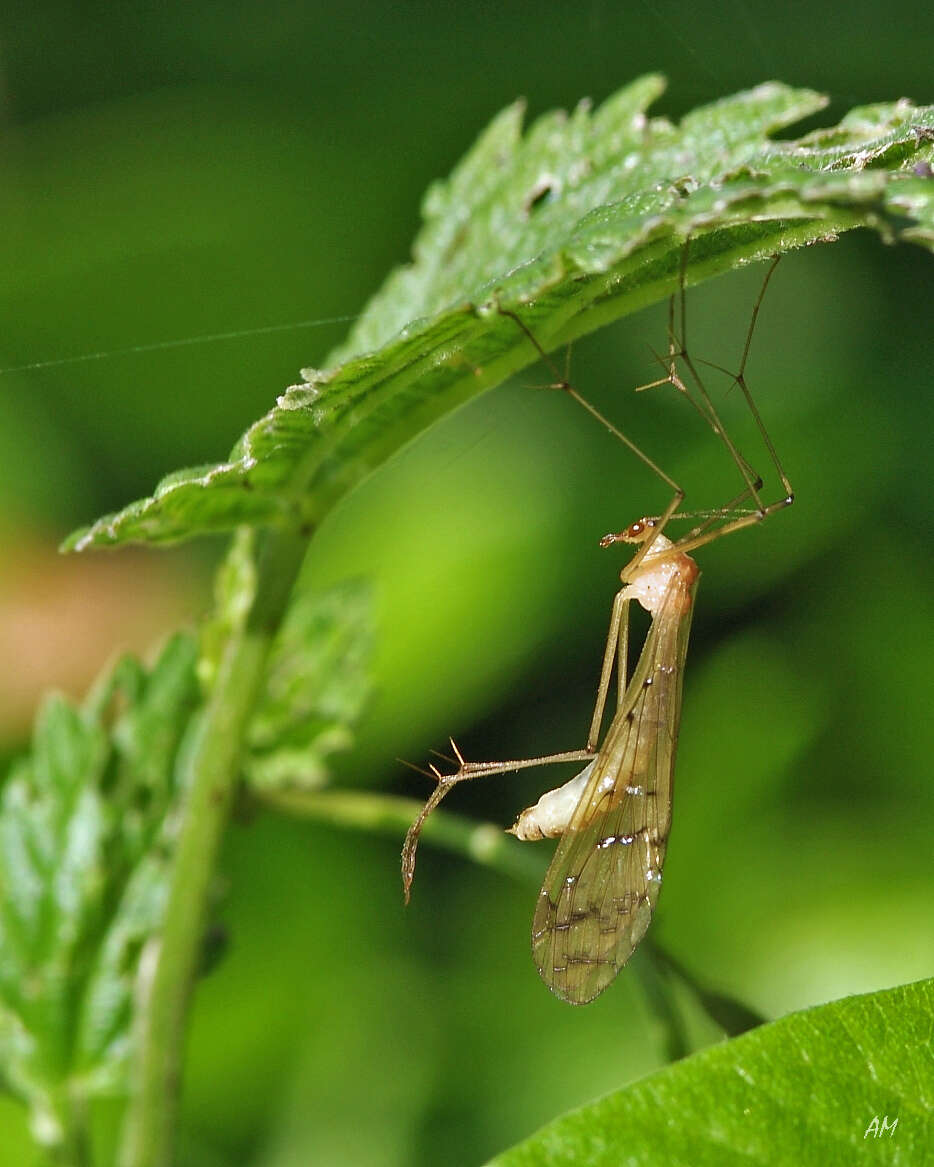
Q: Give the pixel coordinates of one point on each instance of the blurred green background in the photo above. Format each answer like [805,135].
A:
[181,170]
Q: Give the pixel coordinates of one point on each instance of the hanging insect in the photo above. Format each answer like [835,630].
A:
[613,819]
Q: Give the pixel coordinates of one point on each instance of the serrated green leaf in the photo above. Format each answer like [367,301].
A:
[82,882]
[802,1090]
[577,223]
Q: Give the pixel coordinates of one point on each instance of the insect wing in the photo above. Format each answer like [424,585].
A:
[603,883]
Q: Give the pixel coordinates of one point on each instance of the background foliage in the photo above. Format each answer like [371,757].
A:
[203,170]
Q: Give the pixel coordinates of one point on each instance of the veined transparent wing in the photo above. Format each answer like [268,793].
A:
[603,883]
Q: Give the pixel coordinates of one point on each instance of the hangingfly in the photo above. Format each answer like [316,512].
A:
[612,820]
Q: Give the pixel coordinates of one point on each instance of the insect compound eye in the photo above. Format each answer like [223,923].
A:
[638,531]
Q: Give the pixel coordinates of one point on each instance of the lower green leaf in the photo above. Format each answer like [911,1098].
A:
[847,1082]
[82,882]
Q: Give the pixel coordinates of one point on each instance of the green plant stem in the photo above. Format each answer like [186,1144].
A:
[388,814]
[208,778]
[74,1150]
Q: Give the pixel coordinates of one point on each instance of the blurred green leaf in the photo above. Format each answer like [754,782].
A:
[82,881]
[234,591]
[806,1087]
[317,684]
[578,223]
[317,677]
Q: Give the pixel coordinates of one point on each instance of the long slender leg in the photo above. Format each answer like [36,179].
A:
[484,769]
[699,537]
[702,534]
[622,658]
[750,476]
[616,650]
[466,771]
[752,480]
[740,379]
[705,532]
[689,544]
[617,647]
[564,384]
[677,350]
[708,409]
